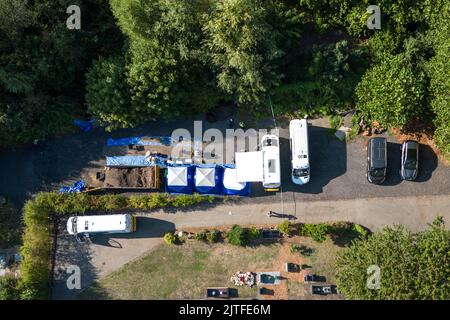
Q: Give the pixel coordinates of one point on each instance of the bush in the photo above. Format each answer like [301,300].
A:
[285,228]
[8,288]
[170,238]
[360,231]
[212,236]
[200,236]
[253,233]
[237,236]
[317,232]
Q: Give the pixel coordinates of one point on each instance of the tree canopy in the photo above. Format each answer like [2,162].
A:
[412,265]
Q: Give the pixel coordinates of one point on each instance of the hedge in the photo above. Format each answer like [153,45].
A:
[37,241]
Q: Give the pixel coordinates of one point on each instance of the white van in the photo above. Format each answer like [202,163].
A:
[112,223]
[271,162]
[298,131]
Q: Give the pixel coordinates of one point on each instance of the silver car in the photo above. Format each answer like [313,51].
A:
[410,160]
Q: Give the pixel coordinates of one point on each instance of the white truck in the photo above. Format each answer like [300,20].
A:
[298,132]
[112,223]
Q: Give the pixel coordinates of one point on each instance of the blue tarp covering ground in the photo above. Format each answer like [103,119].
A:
[130,161]
[76,187]
[86,126]
[140,141]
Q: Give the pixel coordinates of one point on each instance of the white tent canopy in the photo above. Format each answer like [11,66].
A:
[205,177]
[177,176]
[229,180]
[249,166]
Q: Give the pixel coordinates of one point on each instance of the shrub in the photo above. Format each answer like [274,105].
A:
[170,238]
[293,248]
[237,236]
[8,288]
[200,236]
[285,228]
[212,236]
[360,231]
[253,233]
[317,232]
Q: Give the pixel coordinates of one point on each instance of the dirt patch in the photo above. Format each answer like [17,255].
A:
[146,177]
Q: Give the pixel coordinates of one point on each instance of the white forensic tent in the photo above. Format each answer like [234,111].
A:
[177,176]
[205,177]
[249,166]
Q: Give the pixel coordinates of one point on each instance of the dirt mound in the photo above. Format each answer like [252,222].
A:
[147,177]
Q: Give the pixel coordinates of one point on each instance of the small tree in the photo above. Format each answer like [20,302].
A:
[254,233]
[285,228]
[200,236]
[237,236]
[212,236]
[170,238]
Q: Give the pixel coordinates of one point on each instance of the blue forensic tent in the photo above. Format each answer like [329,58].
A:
[207,179]
[76,187]
[180,179]
[230,185]
[86,126]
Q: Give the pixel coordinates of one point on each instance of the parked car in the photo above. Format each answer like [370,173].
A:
[376,160]
[410,160]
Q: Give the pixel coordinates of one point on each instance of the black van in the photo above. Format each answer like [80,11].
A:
[376,160]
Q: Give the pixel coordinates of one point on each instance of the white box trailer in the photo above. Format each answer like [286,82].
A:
[112,223]
[298,132]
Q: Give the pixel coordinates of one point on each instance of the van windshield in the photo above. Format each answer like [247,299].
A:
[300,173]
[270,143]
[74,225]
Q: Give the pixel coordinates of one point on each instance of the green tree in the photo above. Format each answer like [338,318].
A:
[392,92]
[241,44]
[237,236]
[413,266]
[8,288]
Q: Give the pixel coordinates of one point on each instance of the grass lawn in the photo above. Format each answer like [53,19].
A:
[177,272]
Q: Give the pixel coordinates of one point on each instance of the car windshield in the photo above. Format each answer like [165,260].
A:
[74,225]
[300,172]
[378,173]
[410,164]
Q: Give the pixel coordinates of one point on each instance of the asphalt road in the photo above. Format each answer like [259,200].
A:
[337,168]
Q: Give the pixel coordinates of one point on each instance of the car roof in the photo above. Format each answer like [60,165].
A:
[378,152]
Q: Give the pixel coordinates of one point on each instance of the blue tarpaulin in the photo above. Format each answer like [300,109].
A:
[76,187]
[86,126]
[128,161]
[140,141]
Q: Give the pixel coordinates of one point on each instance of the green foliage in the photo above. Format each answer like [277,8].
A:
[237,236]
[8,288]
[241,44]
[412,265]
[285,228]
[439,73]
[200,236]
[360,231]
[318,232]
[253,233]
[170,238]
[10,230]
[392,92]
[213,236]
[43,65]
